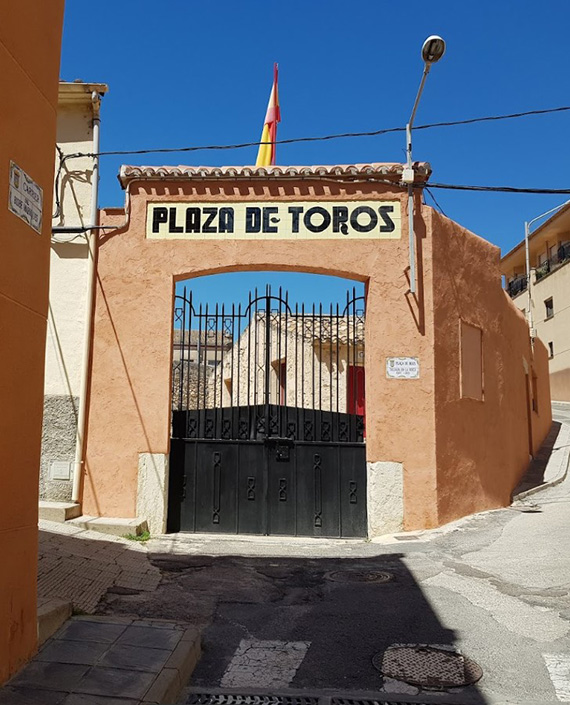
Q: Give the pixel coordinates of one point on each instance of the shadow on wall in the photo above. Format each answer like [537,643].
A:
[341,610]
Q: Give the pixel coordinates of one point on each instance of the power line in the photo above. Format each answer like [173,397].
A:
[322,138]
[496,189]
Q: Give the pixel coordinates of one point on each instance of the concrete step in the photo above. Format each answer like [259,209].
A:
[52,613]
[115,526]
[58,511]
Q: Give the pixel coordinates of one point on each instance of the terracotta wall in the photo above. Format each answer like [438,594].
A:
[459,455]
[130,388]
[482,446]
[30,40]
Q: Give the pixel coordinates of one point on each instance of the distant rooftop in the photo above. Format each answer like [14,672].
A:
[79,92]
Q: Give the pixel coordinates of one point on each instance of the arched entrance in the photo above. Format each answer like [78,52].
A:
[268,417]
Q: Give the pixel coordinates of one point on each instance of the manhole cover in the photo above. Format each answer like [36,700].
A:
[427,666]
[360,576]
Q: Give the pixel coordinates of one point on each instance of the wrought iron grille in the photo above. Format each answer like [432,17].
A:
[269,369]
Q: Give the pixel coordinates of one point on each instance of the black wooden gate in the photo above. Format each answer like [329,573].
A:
[268,418]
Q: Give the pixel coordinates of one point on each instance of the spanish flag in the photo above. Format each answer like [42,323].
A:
[266,153]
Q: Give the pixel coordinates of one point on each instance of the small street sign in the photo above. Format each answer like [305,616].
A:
[26,198]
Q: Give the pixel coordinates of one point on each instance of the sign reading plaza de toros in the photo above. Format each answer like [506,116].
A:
[279,220]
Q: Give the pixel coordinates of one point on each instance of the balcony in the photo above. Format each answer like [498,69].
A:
[552,264]
[516,286]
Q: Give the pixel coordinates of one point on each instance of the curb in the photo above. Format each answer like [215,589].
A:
[565,463]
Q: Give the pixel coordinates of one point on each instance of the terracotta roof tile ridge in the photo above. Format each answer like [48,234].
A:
[390,170]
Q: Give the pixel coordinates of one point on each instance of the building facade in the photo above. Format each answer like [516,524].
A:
[549,300]
[456,397]
[71,266]
[30,42]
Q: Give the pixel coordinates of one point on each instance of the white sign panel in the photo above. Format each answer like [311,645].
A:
[277,220]
[26,198]
[402,367]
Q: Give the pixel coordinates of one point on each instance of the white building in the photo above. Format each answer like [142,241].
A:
[70,270]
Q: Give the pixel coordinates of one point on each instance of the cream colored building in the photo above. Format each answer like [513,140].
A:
[310,359]
[70,267]
[549,247]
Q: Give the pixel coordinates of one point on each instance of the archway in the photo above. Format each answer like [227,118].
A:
[268,395]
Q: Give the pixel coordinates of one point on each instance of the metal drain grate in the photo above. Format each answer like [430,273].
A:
[427,666]
[369,701]
[359,576]
[235,699]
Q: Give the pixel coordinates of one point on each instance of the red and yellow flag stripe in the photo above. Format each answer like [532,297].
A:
[266,152]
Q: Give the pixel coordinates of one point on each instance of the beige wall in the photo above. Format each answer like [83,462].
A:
[458,455]
[30,39]
[555,330]
[319,365]
[556,285]
[69,267]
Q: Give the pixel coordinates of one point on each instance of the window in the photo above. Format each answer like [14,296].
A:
[549,307]
[552,251]
[551,349]
[542,258]
[471,348]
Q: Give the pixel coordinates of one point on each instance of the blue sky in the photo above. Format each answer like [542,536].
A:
[184,73]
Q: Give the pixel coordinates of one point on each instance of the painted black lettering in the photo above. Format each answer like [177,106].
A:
[268,218]
[389,225]
[340,219]
[252,219]
[172,227]
[210,214]
[319,227]
[159,215]
[373,222]
[192,220]
[226,220]
[295,213]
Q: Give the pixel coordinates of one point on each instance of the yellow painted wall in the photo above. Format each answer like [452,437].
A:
[30,41]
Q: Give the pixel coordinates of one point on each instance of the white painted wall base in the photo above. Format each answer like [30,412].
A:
[152,490]
[385,498]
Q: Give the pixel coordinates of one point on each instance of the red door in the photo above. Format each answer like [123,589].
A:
[355,390]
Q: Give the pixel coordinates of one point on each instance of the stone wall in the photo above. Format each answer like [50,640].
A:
[58,443]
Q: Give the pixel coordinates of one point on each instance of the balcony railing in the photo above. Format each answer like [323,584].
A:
[561,257]
[515,286]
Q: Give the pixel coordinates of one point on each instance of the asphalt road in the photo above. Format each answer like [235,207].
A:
[281,614]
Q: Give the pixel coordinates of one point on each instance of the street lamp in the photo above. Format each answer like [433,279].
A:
[527,260]
[432,51]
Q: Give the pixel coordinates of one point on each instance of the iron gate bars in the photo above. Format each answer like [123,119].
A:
[267,369]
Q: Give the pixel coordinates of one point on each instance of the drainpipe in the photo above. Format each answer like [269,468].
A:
[91,245]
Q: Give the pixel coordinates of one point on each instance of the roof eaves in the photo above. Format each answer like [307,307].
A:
[539,230]
[388,171]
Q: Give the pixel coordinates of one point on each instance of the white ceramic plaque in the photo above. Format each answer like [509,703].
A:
[402,367]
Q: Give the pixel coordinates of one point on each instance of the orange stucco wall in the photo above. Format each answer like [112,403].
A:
[421,423]
[482,446]
[130,387]
[30,40]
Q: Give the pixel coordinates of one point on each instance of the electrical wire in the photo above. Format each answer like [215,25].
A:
[322,138]
[496,189]
[57,200]
[434,199]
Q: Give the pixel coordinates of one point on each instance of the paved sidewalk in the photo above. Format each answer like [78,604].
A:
[81,566]
[108,661]
[550,464]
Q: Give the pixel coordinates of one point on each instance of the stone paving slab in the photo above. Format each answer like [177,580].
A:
[79,566]
[108,661]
